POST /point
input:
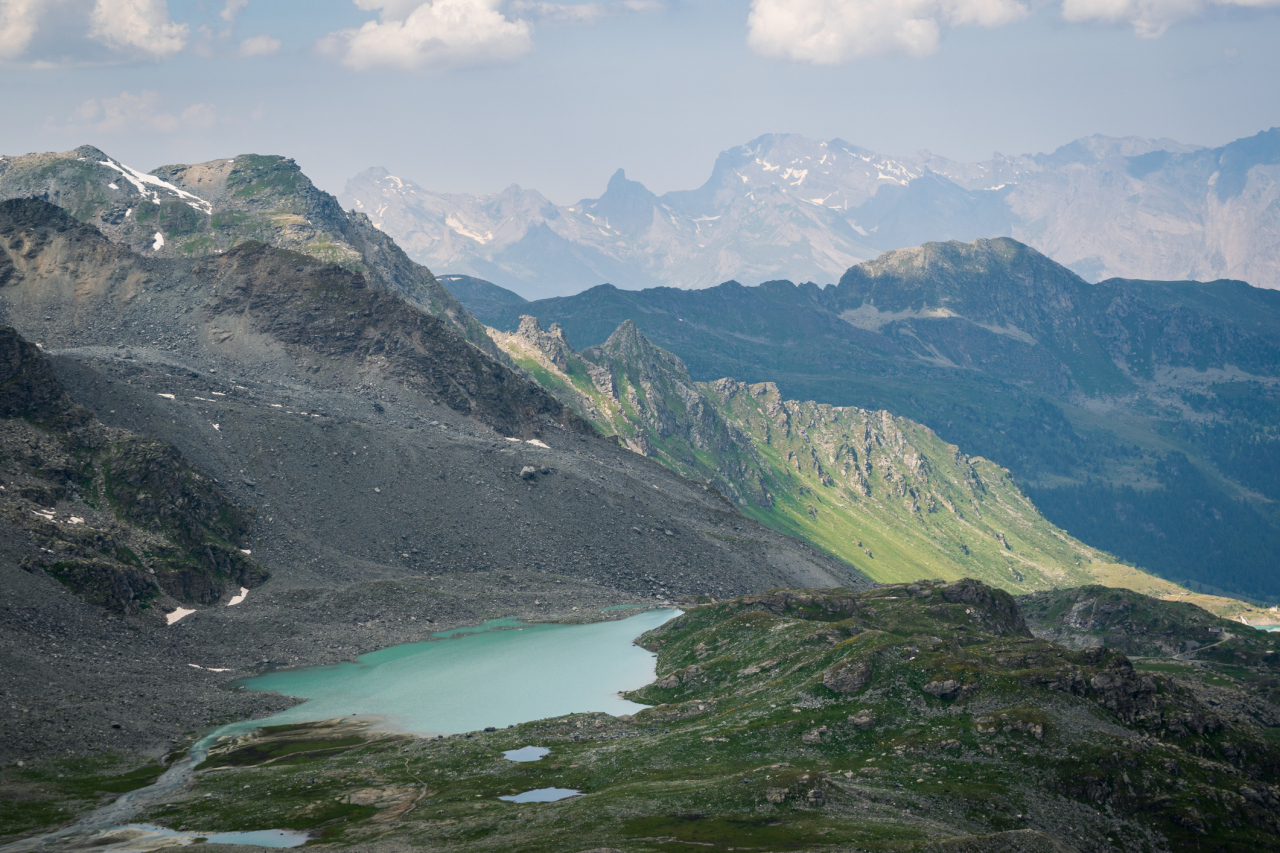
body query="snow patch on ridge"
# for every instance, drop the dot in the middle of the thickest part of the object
(458, 227)
(867, 316)
(145, 183)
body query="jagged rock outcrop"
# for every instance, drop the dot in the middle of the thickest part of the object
(847, 677)
(784, 206)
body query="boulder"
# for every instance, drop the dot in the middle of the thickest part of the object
(864, 719)
(948, 689)
(846, 676)
(814, 735)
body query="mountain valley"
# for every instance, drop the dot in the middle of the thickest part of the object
(387, 411)
(392, 469)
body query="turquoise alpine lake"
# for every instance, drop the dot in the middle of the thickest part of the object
(496, 674)
(461, 682)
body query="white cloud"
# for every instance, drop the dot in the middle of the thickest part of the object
(827, 32)
(582, 13)
(1149, 18)
(259, 46)
(412, 34)
(232, 10)
(143, 111)
(19, 20)
(141, 26)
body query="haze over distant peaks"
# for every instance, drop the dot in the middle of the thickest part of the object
(784, 206)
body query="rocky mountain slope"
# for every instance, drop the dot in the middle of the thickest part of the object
(121, 520)
(1157, 398)
(882, 492)
(185, 211)
(783, 206)
(403, 481)
(921, 717)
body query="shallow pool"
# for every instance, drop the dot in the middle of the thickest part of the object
(542, 795)
(146, 837)
(510, 674)
(527, 753)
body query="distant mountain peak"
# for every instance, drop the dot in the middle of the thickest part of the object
(787, 206)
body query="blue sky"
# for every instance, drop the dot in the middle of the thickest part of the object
(474, 95)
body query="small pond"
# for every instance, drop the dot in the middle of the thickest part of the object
(527, 753)
(145, 837)
(542, 795)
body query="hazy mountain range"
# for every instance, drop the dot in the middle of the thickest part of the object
(784, 206)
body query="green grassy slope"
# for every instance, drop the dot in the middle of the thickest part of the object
(881, 492)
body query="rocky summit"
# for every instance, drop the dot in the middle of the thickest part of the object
(184, 211)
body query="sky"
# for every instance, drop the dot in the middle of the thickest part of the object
(471, 96)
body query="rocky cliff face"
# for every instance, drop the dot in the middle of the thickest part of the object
(668, 415)
(122, 520)
(1093, 617)
(882, 492)
(783, 206)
